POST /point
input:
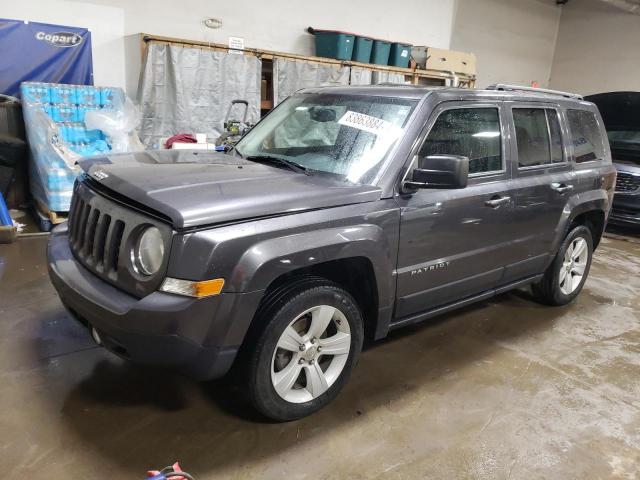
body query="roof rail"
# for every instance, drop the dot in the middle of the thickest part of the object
(518, 88)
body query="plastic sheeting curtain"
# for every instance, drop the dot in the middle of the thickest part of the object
(293, 75)
(290, 76)
(360, 76)
(364, 76)
(189, 90)
(386, 77)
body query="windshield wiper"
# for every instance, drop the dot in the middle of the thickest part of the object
(290, 164)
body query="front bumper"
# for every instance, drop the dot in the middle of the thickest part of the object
(625, 209)
(196, 336)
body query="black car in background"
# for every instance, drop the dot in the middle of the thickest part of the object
(621, 114)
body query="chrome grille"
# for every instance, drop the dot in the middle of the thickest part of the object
(627, 182)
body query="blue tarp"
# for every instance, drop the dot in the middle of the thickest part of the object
(41, 52)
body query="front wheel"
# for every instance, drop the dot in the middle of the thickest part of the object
(565, 277)
(306, 351)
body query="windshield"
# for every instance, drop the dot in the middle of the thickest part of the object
(625, 145)
(346, 135)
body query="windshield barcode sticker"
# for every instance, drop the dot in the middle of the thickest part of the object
(365, 122)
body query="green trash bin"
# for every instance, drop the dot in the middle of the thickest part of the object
(362, 49)
(380, 52)
(334, 44)
(399, 55)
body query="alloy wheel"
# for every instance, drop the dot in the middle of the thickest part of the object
(311, 354)
(573, 265)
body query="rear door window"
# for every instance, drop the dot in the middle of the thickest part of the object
(588, 144)
(538, 136)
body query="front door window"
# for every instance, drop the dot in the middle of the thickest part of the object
(469, 132)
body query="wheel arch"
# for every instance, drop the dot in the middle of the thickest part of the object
(359, 258)
(589, 209)
(356, 275)
(594, 220)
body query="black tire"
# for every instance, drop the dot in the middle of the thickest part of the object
(548, 290)
(278, 311)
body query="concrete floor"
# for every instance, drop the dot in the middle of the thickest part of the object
(505, 389)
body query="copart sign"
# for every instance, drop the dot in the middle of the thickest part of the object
(60, 39)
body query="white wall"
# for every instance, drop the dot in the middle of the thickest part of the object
(280, 24)
(598, 49)
(514, 40)
(105, 23)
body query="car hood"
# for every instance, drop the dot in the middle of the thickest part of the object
(619, 110)
(627, 166)
(195, 188)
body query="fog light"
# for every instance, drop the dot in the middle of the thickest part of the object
(205, 288)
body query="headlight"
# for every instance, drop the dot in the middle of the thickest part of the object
(149, 252)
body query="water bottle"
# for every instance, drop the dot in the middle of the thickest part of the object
(64, 113)
(93, 135)
(45, 107)
(88, 95)
(63, 94)
(106, 97)
(64, 130)
(35, 92)
(56, 115)
(81, 112)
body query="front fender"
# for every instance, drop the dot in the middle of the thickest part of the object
(267, 260)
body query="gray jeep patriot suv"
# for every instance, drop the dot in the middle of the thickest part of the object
(346, 212)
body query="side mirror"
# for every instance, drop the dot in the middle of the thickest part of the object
(440, 171)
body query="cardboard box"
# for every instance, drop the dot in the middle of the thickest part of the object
(430, 58)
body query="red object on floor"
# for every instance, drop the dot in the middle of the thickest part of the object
(180, 138)
(175, 467)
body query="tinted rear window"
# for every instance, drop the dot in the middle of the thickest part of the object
(587, 141)
(538, 136)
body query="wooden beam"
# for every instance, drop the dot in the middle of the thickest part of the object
(270, 55)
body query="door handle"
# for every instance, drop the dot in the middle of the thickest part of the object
(561, 187)
(496, 201)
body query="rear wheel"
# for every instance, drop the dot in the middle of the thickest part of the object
(565, 277)
(306, 351)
